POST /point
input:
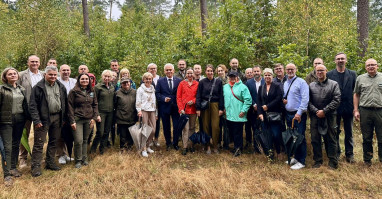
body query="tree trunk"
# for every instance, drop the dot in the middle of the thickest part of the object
(203, 13)
(86, 17)
(363, 25)
(111, 8)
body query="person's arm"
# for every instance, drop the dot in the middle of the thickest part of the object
(71, 107)
(333, 105)
(247, 100)
(304, 88)
(219, 86)
(311, 106)
(356, 105)
(259, 100)
(277, 97)
(179, 100)
(95, 107)
(158, 92)
(198, 99)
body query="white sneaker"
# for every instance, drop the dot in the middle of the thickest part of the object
(144, 154)
(150, 150)
(62, 160)
(297, 166)
(292, 161)
(68, 159)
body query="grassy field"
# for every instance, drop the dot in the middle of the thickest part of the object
(171, 175)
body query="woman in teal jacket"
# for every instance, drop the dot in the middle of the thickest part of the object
(237, 100)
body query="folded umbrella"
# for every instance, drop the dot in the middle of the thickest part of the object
(257, 136)
(200, 137)
(292, 140)
(135, 132)
(265, 137)
(183, 119)
(145, 133)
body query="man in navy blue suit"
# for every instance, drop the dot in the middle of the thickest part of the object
(253, 86)
(165, 92)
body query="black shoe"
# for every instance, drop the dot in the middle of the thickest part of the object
(350, 159)
(226, 148)
(101, 151)
(168, 147)
(52, 167)
(333, 166)
(184, 152)
(85, 163)
(317, 165)
(192, 150)
(176, 147)
(237, 152)
(367, 163)
(108, 145)
(15, 173)
(36, 171)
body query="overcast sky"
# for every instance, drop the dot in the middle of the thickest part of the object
(116, 11)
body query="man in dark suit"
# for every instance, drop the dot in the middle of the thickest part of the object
(253, 86)
(346, 80)
(165, 92)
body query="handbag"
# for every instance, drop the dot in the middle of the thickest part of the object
(205, 104)
(274, 116)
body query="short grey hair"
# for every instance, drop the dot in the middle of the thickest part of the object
(49, 68)
(169, 64)
(151, 64)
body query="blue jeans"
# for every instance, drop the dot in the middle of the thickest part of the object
(300, 154)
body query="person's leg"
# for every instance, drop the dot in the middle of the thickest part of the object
(78, 136)
(238, 134)
(175, 118)
(338, 148)
(54, 133)
(39, 140)
(367, 129)
(157, 128)
(300, 153)
(348, 128)
(315, 139)
(18, 127)
(23, 154)
(6, 136)
(129, 139)
(61, 149)
(166, 128)
(378, 131)
(191, 129)
(122, 131)
(151, 122)
(99, 134)
(107, 128)
(275, 128)
(85, 136)
(248, 127)
(215, 124)
(185, 134)
(331, 139)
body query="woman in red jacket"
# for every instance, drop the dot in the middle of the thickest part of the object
(186, 97)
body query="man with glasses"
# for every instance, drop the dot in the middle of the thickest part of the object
(280, 74)
(312, 77)
(296, 98)
(368, 104)
(346, 80)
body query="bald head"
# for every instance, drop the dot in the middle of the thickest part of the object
(83, 69)
(33, 63)
(321, 71)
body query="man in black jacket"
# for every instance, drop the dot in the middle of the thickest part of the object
(346, 81)
(47, 107)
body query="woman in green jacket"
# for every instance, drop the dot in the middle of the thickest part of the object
(13, 112)
(237, 100)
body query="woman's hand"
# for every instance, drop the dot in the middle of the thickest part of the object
(91, 124)
(198, 113)
(98, 118)
(190, 103)
(140, 114)
(182, 112)
(74, 126)
(265, 107)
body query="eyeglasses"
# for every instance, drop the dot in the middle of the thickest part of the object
(371, 65)
(125, 82)
(320, 71)
(278, 68)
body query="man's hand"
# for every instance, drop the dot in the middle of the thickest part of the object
(91, 124)
(39, 125)
(241, 114)
(98, 118)
(297, 117)
(198, 113)
(265, 107)
(167, 99)
(221, 113)
(285, 101)
(255, 107)
(320, 114)
(261, 116)
(74, 126)
(357, 115)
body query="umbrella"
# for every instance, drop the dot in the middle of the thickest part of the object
(292, 140)
(263, 137)
(200, 137)
(183, 119)
(135, 132)
(2, 151)
(67, 136)
(24, 141)
(259, 144)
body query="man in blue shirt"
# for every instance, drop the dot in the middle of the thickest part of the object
(296, 98)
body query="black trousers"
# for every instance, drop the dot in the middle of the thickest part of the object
(125, 136)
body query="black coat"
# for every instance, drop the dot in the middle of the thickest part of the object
(346, 105)
(273, 100)
(38, 104)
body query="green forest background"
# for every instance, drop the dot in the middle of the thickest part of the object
(257, 32)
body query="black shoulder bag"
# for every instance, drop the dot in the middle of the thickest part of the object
(205, 104)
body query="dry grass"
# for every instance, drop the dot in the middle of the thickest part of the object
(171, 175)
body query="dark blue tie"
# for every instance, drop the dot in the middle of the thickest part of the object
(170, 84)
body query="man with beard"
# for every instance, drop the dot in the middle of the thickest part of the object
(182, 65)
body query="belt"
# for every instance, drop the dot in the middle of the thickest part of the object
(372, 108)
(291, 112)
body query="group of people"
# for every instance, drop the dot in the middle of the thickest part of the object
(266, 99)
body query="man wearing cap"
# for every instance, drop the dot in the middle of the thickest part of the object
(368, 108)
(296, 98)
(325, 97)
(237, 101)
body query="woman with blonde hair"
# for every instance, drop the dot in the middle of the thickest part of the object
(146, 108)
(125, 73)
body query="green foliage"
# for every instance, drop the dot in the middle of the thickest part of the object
(256, 32)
